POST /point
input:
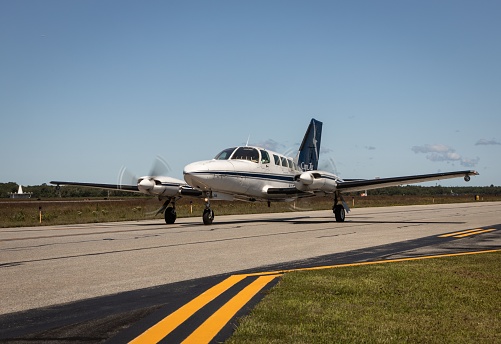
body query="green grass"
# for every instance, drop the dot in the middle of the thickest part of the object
(446, 300)
(21, 213)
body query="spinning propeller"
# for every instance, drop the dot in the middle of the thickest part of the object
(159, 168)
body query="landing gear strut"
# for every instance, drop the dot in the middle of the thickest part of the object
(208, 215)
(170, 214)
(338, 209)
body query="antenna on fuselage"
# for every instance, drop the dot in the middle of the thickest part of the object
(247, 143)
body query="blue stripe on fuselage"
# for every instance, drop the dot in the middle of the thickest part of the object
(263, 176)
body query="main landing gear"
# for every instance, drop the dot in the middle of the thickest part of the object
(338, 208)
(170, 214)
(208, 215)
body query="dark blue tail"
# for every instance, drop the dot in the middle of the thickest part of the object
(310, 147)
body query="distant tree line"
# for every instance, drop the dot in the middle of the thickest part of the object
(49, 191)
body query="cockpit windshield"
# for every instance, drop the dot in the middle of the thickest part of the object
(246, 153)
(225, 155)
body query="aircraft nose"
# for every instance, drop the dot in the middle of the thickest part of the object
(194, 168)
(208, 175)
(194, 173)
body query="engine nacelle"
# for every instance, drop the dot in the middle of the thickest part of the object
(316, 181)
(166, 190)
(159, 186)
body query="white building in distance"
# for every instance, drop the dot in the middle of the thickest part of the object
(20, 193)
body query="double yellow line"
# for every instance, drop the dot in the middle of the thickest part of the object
(469, 232)
(209, 329)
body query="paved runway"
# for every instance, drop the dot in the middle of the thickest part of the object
(45, 266)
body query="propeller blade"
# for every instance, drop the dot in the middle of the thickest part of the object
(160, 167)
(125, 177)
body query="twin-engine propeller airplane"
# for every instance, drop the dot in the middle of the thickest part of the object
(256, 174)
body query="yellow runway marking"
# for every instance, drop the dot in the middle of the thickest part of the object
(210, 328)
(469, 232)
(205, 332)
(374, 262)
(477, 232)
(157, 332)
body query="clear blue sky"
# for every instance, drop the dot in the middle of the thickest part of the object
(402, 87)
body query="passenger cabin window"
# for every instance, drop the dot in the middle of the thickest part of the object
(284, 162)
(246, 153)
(225, 155)
(265, 157)
(289, 161)
(277, 159)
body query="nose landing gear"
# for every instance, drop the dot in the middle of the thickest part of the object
(208, 215)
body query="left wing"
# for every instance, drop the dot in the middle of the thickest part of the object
(310, 182)
(368, 184)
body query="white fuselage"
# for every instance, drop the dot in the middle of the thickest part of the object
(244, 173)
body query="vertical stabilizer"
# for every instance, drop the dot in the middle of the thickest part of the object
(310, 147)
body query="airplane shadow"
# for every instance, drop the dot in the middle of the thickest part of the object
(302, 220)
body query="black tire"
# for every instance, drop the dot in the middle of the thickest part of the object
(170, 215)
(208, 216)
(339, 213)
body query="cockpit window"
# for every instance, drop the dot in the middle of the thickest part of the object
(225, 155)
(265, 157)
(246, 153)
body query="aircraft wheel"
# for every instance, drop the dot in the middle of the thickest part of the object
(170, 215)
(339, 213)
(208, 216)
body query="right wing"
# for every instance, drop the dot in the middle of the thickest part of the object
(155, 186)
(132, 188)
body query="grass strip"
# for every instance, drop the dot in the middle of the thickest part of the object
(446, 300)
(22, 213)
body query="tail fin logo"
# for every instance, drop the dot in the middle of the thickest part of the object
(308, 154)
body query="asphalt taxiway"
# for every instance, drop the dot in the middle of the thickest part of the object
(124, 278)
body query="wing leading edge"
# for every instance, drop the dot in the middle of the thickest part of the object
(131, 188)
(352, 185)
(368, 184)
